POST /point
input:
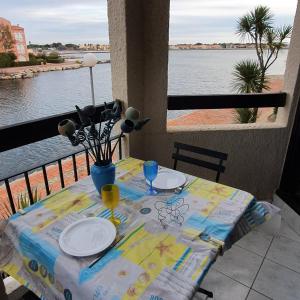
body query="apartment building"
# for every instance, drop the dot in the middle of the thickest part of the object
(19, 40)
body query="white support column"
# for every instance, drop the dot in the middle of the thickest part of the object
(138, 31)
(125, 34)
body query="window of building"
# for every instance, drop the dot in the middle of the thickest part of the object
(19, 36)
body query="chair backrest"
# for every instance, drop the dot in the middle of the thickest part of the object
(218, 167)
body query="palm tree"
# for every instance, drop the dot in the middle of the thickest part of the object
(247, 79)
(257, 27)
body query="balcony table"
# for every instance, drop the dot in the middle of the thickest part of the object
(151, 261)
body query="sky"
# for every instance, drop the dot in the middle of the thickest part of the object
(85, 21)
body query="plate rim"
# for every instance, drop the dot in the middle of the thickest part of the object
(92, 252)
(171, 171)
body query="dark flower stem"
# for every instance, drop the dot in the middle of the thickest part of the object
(116, 144)
(85, 147)
(99, 140)
(90, 145)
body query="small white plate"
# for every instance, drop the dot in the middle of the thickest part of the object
(168, 180)
(88, 236)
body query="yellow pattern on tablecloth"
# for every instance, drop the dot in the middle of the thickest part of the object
(152, 252)
(200, 269)
(210, 190)
(61, 205)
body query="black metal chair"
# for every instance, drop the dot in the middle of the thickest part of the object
(218, 167)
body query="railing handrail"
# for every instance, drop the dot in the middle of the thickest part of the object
(52, 161)
(21, 134)
(219, 101)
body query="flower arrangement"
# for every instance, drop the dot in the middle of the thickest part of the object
(97, 140)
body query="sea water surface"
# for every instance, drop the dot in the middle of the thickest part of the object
(190, 72)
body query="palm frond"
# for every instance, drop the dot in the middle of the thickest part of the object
(284, 32)
(255, 23)
(248, 77)
(274, 37)
(244, 26)
(262, 18)
(24, 200)
(270, 36)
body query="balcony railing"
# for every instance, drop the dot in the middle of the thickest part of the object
(26, 133)
(33, 131)
(189, 102)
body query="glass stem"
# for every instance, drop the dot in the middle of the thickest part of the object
(151, 188)
(112, 214)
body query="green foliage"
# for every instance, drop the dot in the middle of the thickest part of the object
(42, 58)
(247, 77)
(54, 58)
(250, 76)
(255, 23)
(12, 56)
(7, 59)
(56, 45)
(257, 26)
(53, 55)
(41, 55)
(32, 56)
(23, 201)
(26, 63)
(71, 46)
(33, 61)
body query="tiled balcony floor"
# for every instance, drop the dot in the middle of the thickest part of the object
(258, 267)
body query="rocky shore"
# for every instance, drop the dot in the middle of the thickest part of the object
(30, 71)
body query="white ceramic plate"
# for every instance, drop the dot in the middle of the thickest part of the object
(169, 180)
(88, 236)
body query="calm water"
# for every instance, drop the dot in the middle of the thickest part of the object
(190, 72)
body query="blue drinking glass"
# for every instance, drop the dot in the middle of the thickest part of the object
(150, 172)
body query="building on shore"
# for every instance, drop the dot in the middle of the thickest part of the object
(214, 46)
(94, 47)
(19, 47)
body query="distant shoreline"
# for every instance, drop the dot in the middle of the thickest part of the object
(82, 51)
(226, 49)
(170, 49)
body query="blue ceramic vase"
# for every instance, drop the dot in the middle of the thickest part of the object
(102, 175)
